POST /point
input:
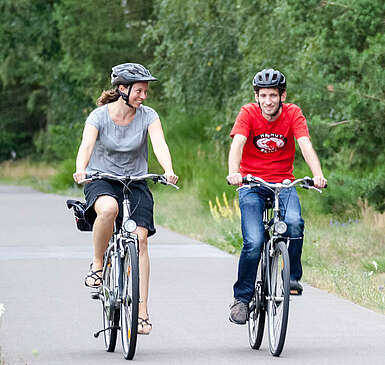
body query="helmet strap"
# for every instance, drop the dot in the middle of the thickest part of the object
(126, 97)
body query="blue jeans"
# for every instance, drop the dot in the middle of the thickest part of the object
(252, 205)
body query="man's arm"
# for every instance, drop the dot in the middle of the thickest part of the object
(312, 160)
(235, 155)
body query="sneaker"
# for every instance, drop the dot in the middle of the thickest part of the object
(238, 312)
(295, 287)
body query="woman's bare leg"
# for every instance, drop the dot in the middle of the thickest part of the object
(106, 208)
(144, 277)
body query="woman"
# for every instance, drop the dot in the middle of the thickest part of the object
(115, 141)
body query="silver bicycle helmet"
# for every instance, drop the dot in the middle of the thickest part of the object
(129, 73)
(269, 78)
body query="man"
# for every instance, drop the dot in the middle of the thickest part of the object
(263, 145)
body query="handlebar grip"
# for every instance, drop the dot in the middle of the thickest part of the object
(311, 183)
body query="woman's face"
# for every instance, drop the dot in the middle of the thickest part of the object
(138, 93)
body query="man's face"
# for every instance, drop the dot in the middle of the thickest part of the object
(269, 101)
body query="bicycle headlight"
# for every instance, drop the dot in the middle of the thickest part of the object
(280, 227)
(129, 225)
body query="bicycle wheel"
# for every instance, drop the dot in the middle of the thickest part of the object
(110, 313)
(256, 316)
(278, 298)
(130, 301)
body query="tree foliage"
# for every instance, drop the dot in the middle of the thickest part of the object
(55, 59)
(333, 54)
(56, 56)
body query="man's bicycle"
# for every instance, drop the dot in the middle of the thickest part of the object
(119, 292)
(272, 289)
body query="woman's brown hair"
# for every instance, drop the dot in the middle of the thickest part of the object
(108, 96)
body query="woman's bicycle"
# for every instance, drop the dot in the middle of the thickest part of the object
(272, 289)
(119, 292)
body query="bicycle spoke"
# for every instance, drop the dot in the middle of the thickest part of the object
(110, 314)
(278, 300)
(256, 319)
(130, 300)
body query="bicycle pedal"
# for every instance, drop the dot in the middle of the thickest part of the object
(295, 292)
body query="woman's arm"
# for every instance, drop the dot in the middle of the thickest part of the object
(161, 150)
(90, 134)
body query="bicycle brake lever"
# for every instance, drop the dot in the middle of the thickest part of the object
(314, 188)
(174, 186)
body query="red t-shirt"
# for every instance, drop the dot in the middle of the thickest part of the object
(270, 148)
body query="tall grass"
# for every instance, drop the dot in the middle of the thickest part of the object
(27, 172)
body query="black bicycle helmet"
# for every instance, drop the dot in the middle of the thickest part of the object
(129, 73)
(269, 78)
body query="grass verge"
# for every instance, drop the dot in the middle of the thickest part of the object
(27, 172)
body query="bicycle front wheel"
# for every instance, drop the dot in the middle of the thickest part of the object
(257, 312)
(278, 298)
(110, 313)
(130, 301)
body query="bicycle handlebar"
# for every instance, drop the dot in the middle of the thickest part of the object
(306, 183)
(127, 178)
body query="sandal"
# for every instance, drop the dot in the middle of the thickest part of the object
(144, 322)
(94, 275)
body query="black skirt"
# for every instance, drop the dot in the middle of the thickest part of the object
(141, 201)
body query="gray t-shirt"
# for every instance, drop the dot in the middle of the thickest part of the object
(120, 150)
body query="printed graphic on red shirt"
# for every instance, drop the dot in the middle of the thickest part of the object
(269, 142)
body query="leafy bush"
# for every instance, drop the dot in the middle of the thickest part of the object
(63, 180)
(59, 142)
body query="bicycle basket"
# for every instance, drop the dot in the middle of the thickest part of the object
(79, 210)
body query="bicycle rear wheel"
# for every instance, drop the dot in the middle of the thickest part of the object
(278, 298)
(130, 301)
(110, 313)
(256, 316)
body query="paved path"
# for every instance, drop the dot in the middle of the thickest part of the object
(50, 319)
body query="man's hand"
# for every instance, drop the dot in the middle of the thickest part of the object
(234, 179)
(319, 182)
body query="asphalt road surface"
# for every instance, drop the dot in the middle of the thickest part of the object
(49, 317)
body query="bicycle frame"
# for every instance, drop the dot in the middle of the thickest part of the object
(272, 289)
(119, 291)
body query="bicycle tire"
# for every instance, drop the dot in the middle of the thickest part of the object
(278, 298)
(110, 313)
(257, 314)
(130, 301)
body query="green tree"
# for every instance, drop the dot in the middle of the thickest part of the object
(28, 42)
(196, 51)
(55, 60)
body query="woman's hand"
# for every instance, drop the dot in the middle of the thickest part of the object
(171, 177)
(79, 176)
